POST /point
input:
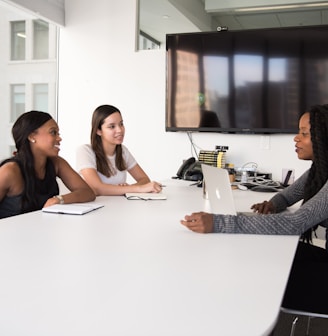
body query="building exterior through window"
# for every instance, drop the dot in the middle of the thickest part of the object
(28, 65)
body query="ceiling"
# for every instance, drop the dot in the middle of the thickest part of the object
(160, 17)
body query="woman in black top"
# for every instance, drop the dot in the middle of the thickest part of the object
(28, 179)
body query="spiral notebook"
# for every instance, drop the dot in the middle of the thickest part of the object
(73, 208)
(145, 196)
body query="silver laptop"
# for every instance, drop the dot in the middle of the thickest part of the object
(219, 191)
(218, 188)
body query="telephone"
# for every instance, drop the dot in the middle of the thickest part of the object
(190, 170)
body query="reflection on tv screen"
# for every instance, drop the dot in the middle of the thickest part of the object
(256, 81)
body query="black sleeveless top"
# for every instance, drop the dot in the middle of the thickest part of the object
(45, 189)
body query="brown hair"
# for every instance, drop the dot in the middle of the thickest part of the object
(103, 164)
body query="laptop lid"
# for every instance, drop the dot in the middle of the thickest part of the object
(218, 187)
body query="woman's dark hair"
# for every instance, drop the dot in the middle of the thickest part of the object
(26, 124)
(103, 164)
(318, 173)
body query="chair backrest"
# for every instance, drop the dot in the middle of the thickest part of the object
(302, 313)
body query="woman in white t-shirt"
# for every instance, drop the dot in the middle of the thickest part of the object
(104, 164)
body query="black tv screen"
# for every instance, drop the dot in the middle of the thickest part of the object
(249, 81)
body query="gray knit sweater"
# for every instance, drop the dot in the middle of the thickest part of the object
(314, 211)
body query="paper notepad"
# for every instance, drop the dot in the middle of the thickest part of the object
(73, 208)
(145, 196)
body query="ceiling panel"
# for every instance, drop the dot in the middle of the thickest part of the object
(310, 18)
(258, 21)
(230, 18)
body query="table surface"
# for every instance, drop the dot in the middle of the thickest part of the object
(130, 268)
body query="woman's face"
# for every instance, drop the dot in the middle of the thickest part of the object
(303, 139)
(112, 130)
(46, 139)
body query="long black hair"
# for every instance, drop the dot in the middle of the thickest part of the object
(318, 173)
(26, 124)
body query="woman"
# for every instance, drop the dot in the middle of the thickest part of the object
(28, 180)
(104, 164)
(310, 266)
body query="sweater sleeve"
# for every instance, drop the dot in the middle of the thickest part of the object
(314, 211)
(290, 195)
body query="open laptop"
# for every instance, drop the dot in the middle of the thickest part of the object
(218, 187)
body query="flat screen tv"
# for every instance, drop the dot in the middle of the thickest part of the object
(248, 81)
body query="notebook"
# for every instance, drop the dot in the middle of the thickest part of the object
(218, 187)
(145, 196)
(73, 208)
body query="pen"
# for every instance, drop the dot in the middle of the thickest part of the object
(196, 183)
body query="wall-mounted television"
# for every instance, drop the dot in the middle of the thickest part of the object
(247, 81)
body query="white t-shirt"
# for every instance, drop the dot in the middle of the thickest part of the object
(86, 158)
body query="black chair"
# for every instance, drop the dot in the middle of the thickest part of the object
(306, 292)
(299, 313)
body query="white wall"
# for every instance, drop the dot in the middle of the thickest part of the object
(99, 65)
(51, 10)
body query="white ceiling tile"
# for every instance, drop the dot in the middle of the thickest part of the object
(258, 21)
(301, 18)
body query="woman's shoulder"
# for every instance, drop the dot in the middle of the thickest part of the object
(10, 169)
(11, 177)
(85, 148)
(125, 150)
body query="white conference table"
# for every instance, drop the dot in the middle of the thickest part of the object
(130, 269)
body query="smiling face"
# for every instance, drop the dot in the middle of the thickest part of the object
(112, 130)
(46, 139)
(303, 139)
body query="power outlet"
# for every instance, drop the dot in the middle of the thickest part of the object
(265, 142)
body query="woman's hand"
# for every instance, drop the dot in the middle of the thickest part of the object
(265, 207)
(51, 201)
(152, 186)
(200, 222)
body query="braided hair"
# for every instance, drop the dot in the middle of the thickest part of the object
(318, 173)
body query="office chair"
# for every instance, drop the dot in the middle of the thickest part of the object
(314, 310)
(299, 313)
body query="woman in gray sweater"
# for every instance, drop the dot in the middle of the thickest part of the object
(310, 266)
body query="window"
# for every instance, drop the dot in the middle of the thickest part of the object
(147, 42)
(40, 97)
(28, 63)
(18, 40)
(17, 101)
(40, 39)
